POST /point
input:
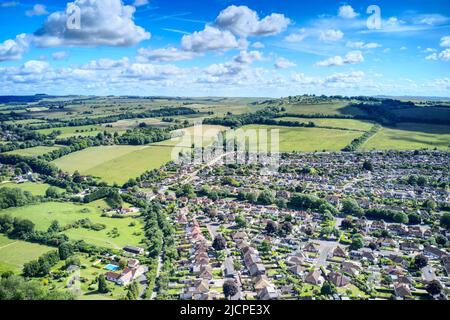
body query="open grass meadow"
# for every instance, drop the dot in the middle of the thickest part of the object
(36, 189)
(15, 253)
(206, 134)
(410, 136)
(348, 124)
(82, 131)
(129, 228)
(33, 152)
(309, 139)
(330, 108)
(133, 123)
(115, 164)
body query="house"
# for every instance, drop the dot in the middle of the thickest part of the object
(228, 268)
(369, 255)
(133, 263)
(133, 250)
(434, 252)
(196, 291)
(387, 242)
(260, 282)
(350, 268)
(268, 293)
(311, 247)
(206, 272)
(410, 246)
(126, 277)
(314, 277)
(256, 269)
(297, 269)
(338, 279)
(339, 252)
(112, 276)
(401, 290)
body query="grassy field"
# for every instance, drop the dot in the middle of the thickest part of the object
(133, 123)
(33, 152)
(43, 214)
(115, 163)
(37, 189)
(310, 139)
(206, 135)
(83, 131)
(15, 253)
(332, 108)
(349, 124)
(410, 136)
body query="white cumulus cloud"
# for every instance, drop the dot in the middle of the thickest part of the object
(352, 57)
(103, 23)
(243, 21)
(347, 12)
(210, 38)
(14, 49)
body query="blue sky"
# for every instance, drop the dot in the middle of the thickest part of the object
(225, 48)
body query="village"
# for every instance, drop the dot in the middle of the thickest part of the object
(235, 227)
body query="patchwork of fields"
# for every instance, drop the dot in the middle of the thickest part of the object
(65, 213)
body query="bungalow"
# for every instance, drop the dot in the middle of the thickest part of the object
(256, 269)
(434, 252)
(268, 293)
(260, 282)
(311, 247)
(206, 272)
(228, 268)
(409, 246)
(196, 291)
(402, 290)
(297, 270)
(338, 279)
(314, 277)
(387, 242)
(339, 252)
(350, 268)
